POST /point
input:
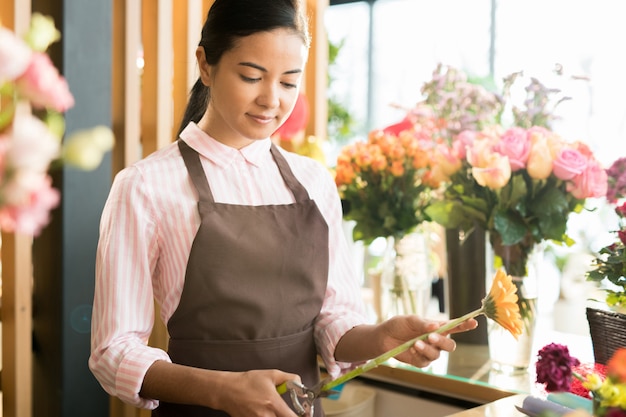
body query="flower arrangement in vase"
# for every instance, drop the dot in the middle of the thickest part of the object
(517, 181)
(520, 182)
(33, 96)
(384, 186)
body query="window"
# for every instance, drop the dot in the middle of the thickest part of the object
(391, 47)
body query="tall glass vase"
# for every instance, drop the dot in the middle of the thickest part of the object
(406, 276)
(508, 354)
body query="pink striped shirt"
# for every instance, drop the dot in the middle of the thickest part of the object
(148, 224)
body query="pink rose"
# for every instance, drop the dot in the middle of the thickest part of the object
(539, 164)
(568, 163)
(515, 144)
(592, 182)
(495, 173)
(44, 86)
(14, 55)
(462, 141)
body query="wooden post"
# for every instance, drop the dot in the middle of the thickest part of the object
(17, 360)
(156, 100)
(17, 278)
(317, 69)
(127, 81)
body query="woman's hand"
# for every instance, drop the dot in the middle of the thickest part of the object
(253, 394)
(240, 394)
(399, 329)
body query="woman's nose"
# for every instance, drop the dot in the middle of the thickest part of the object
(269, 96)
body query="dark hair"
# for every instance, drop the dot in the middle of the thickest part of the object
(230, 20)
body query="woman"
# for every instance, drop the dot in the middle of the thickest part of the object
(238, 241)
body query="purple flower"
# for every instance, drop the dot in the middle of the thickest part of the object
(554, 367)
(616, 180)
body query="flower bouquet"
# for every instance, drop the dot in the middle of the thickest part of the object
(517, 181)
(604, 386)
(520, 182)
(520, 185)
(33, 96)
(610, 264)
(383, 183)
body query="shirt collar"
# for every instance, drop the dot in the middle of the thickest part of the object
(223, 155)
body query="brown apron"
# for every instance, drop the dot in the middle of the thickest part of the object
(254, 284)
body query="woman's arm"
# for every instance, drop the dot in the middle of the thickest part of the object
(240, 394)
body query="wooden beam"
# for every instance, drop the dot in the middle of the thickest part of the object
(187, 23)
(17, 277)
(126, 92)
(316, 70)
(156, 95)
(17, 360)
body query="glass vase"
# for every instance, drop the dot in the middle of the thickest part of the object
(508, 354)
(406, 276)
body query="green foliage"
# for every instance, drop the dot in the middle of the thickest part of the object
(340, 121)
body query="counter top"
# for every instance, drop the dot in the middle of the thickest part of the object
(504, 407)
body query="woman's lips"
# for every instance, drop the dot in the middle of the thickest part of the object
(261, 119)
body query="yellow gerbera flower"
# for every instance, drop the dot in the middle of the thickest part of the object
(501, 306)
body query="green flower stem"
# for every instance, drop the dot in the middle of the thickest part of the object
(373, 363)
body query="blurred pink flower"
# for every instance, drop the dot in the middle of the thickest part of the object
(29, 144)
(43, 86)
(15, 55)
(32, 146)
(30, 197)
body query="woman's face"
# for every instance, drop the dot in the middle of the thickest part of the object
(254, 86)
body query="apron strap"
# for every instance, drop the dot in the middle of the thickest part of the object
(298, 190)
(194, 166)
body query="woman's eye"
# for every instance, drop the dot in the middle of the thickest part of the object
(290, 85)
(249, 80)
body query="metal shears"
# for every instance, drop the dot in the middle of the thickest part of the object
(303, 397)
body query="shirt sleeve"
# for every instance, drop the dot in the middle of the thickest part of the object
(123, 310)
(343, 306)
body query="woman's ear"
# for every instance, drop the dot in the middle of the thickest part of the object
(205, 68)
